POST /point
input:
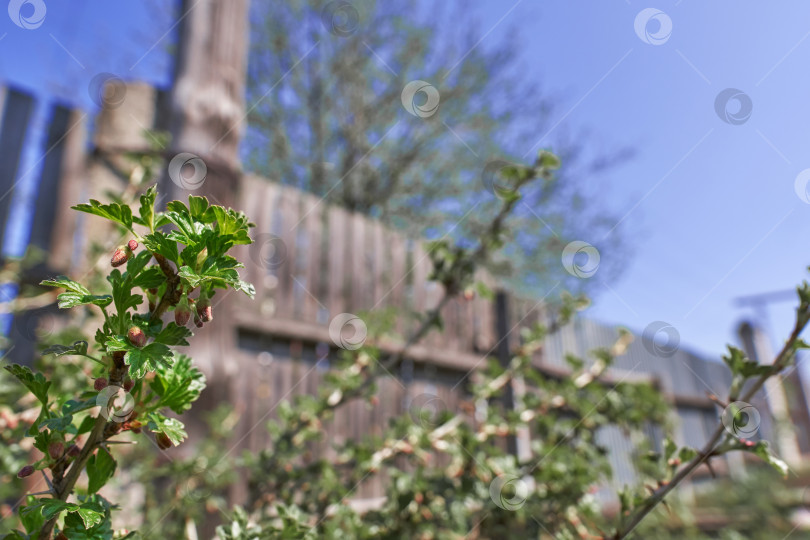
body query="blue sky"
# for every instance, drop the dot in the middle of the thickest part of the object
(709, 207)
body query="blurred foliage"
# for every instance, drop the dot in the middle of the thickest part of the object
(325, 94)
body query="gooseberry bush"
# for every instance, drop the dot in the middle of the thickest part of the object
(447, 473)
(177, 261)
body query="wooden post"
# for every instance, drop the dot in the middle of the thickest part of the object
(207, 100)
(503, 351)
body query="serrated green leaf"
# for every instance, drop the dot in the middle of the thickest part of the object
(100, 468)
(173, 335)
(142, 361)
(159, 243)
(147, 210)
(171, 427)
(67, 284)
(69, 300)
(179, 385)
(151, 278)
(122, 292)
(34, 382)
(119, 213)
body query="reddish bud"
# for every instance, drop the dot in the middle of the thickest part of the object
(132, 245)
(163, 441)
(136, 337)
(73, 450)
(120, 256)
(100, 384)
(128, 384)
(205, 311)
(182, 313)
(197, 322)
(28, 470)
(56, 449)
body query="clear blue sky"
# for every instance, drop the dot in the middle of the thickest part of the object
(711, 210)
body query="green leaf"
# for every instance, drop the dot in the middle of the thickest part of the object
(179, 385)
(142, 361)
(151, 278)
(548, 160)
(32, 521)
(119, 213)
(69, 300)
(100, 468)
(763, 450)
(686, 454)
(171, 427)
(117, 343)
(122, 292)
(147, 211)
(67, 284)
(78, 348)
(173, 335)
(739, 364)
(57, 424)
(34, 382)
(72, 406)
(159, 243)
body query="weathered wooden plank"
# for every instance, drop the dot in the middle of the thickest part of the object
(288, 207)
(336, 261)
(358, 269)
